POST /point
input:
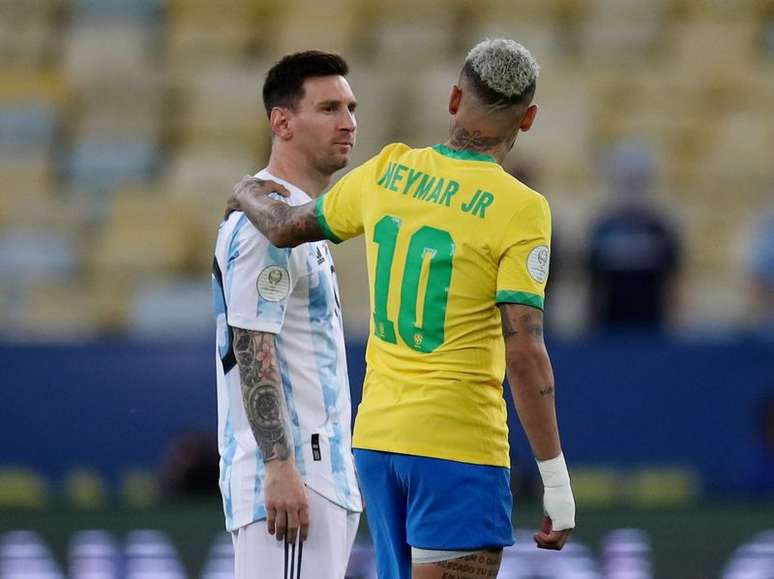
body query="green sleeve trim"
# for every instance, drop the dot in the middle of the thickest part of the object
(523, 298)
(463, 155)
(319, 212)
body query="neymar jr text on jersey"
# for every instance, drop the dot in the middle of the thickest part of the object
(432, 189)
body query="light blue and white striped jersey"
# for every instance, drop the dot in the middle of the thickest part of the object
(292, 293)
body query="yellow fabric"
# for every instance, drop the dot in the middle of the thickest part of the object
(445, 401)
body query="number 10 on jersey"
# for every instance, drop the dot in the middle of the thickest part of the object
(427, 244)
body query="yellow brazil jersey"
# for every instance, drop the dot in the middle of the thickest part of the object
(449, 234)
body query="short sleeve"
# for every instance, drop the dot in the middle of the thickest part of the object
(259, 279)
(525, 255)
(340, 211)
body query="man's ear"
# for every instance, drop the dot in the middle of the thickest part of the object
(528, 118)
(455, 98)
(279, 121)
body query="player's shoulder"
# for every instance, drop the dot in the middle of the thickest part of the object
(394, 149)
(520, 196)
(391, 153)
(240, 232)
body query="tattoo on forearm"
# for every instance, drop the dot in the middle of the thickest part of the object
(262, 393)
(473, 141)
(304, 225)
(473, 566)
(277, 219)
(547, 391)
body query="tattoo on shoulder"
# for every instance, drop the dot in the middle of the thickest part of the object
(262, 393)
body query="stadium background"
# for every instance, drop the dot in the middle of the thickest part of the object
(124, 125)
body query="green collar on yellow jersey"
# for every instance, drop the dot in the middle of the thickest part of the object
(463, 155)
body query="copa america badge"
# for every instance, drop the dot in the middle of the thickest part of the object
(273, 283)
(537, 263)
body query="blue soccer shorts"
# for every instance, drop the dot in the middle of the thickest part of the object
(431, 503)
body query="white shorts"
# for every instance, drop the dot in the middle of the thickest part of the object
(332, 530)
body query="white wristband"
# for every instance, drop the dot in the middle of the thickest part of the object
(554, 471)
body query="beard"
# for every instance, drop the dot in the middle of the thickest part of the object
(331, 164)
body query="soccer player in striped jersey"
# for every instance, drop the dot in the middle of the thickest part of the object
(451, 238)
(286, 465)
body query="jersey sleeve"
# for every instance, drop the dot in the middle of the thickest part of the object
(259, 279)
(525, 254)
(340, 211)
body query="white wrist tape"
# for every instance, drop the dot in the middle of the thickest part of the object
(558, 502)
(554, 471)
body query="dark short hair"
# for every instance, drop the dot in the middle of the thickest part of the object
(284, 84)
(493, 98)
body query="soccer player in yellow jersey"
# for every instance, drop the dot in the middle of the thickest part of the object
(451, 239)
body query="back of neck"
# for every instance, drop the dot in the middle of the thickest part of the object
(470, 139)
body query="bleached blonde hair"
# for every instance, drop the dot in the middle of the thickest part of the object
(503, 66)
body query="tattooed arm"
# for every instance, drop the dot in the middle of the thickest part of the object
(532, 384)
(531, 377)
(264, 402)
(282, 224)
(262, 393)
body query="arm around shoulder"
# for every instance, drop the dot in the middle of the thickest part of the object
(282, 224)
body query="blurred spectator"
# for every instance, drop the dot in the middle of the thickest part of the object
(762, 275)
(190, 468)
(757, 466)
(634, 251)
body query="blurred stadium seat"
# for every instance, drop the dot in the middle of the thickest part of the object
(100, 165)
(169, 310)
(28, 38)
(150, 555)
(220, 563)
(141, 12)
(754, 560)
(94, 554)
(21, 488)
(23, 555)
(26, 128)
(28, 255)
(85, 489)
(626, 554)
(596, 486)
(654, 486)
(140, 489)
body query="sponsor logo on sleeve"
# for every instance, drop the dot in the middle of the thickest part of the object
(273, 283)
